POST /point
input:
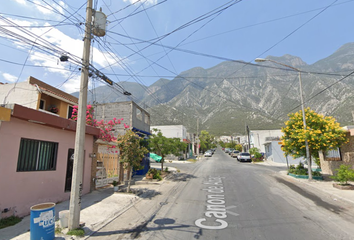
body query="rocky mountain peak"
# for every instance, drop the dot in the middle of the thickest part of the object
(289, 60)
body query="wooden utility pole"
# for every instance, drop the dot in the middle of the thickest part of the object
(76, 186)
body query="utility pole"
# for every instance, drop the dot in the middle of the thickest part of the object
(248, 136)
(198, 138)
(308, 157)
(76, 186)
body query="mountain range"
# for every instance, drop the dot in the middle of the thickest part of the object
(228, 97)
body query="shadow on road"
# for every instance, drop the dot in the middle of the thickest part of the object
(162, 224)
(177, 177)
(319, 202)
(145, 193)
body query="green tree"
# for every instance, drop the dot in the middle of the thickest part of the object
(230, 144)
(132, 151)
(222, 144)
(178, 146)
(163, 146)
(238, 147)
(322, 133)
(254, 150)
(206, 141)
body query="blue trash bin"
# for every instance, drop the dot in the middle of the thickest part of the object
(42, 225)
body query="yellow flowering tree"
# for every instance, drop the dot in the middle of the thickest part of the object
(322, 133)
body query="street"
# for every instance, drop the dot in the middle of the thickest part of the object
(220, 198)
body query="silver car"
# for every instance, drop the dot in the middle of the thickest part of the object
(208, 154)
(235, 154)
(244, 157)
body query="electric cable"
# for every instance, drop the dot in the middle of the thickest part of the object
(318, 93)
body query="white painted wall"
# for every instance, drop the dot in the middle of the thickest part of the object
(172, 131)
(259, 137)
(274, 153)
(23, 94)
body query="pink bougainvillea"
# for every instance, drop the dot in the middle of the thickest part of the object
(105, 127)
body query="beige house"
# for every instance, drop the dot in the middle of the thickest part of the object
(38, 95)
(344, 155)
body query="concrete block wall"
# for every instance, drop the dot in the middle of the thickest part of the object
(140, 118)
(125, 110)
(108, 111)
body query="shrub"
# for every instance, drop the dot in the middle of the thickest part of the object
(254, 150)
(155, 173)
(158, 175)
(344, 174)
(301, 170)
(152, 171)
(257, 157)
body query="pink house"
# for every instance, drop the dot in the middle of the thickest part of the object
(36, 161)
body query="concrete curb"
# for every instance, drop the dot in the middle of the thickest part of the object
(284, 175)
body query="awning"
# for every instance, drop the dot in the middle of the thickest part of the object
(156, 157)
(140, 132)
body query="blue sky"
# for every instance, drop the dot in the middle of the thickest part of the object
(244, 30)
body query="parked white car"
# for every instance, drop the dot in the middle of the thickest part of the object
(208, 154)
(244, 157)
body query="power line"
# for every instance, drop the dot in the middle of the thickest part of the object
(31, 18)
(296, 29)
(264, 22)
(135, 11)
(137, 79)
(196, 20)
(318, 93)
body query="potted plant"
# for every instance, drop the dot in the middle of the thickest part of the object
(150, 173)
(343, 175)
(54, 109)
(115, 185)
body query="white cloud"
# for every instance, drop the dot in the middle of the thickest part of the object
(147, 1)
(50, 9)
(8, 77)
(62, 41)
(72, 85)
(22, 2)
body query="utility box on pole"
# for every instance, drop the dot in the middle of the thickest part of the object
(99, 24)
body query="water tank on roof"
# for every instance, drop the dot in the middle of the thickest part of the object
(99, 24)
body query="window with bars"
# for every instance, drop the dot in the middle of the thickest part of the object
(36, 155)
(333, 155)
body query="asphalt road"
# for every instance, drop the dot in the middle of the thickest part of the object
(220, 198)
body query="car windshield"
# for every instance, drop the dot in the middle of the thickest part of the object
(245, 154)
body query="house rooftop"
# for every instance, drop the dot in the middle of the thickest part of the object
(52, 90)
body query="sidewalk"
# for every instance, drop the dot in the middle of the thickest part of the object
(97, 209)
(325, 186)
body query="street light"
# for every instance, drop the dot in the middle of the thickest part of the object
(302, 108)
